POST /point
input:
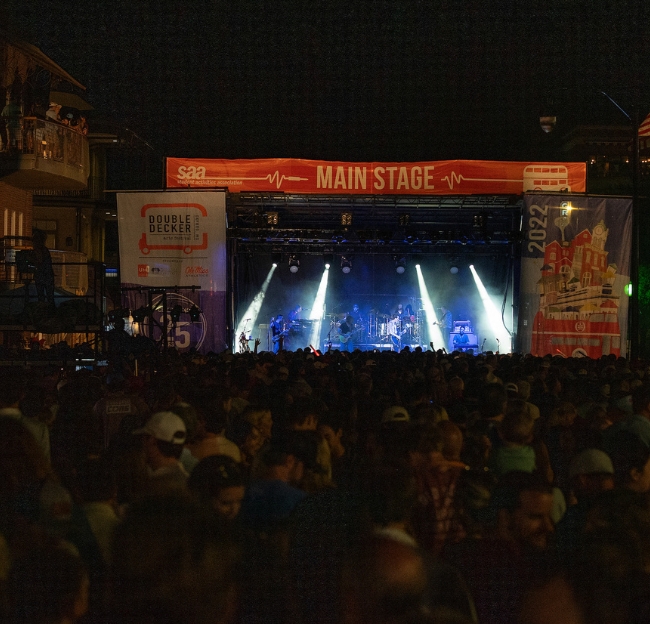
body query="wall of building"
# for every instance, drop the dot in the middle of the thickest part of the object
(16, 211)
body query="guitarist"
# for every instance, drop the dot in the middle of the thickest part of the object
(278, 333)
(346, 331)
(445, 323)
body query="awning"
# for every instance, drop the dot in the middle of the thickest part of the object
(66, 98)
(37, 57)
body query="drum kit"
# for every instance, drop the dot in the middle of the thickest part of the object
(379, 328)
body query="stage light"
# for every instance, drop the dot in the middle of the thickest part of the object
(479, 220)
(276, 258)
(346, 264)
(294, 263)
(346, 218)
(404, 220)
(434, 333)
(400, 264)
(253, 310)
(175, 313)
(195, 314)
(493, 316)
(328, 260)
(271, 218)
(318, 308)
(453, 269)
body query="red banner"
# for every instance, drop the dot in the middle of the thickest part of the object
(443, 177)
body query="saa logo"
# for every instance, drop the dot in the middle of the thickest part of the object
(143, 270)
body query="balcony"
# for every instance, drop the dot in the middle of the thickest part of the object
(78, 295)
(48, 155)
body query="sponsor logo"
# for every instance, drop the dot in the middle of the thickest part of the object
(143, 270)
(196, 270)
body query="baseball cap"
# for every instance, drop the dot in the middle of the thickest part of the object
(166, 427)
(590, 461)
(395, 413)
(512, 387)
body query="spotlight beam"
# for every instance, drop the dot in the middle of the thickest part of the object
(433, 330)
(253, 310)
(318, 309)
(501, 334)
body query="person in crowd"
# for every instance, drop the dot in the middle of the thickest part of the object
(248, 439)
(516, 431)
(97, 490)
(261, 419)
(637, 423)
(12, 116)
(211, 435)
(173, 561)
(43, 271)
(49, 585)
(631, 460)
(591, 473)
(301, 544)
(163, 439)
(219, 482)
(271, 499)
(52, 113)
(438, 515)
(12, 390)
(498, 567)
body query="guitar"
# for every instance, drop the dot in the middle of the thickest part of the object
(344, 338)
(279, 336)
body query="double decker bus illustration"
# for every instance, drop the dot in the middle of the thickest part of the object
(546, 178)
(173, 227)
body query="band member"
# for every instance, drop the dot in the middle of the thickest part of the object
(445, 326)
(295, 314)
(277, 333)
(346, 334)
(461, 340)
(359, 321)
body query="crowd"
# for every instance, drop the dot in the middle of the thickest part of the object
(342, 488)
(11, 120)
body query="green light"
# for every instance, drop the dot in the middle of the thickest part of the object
(628, 289)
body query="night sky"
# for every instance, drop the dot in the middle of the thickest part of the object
(342, 80)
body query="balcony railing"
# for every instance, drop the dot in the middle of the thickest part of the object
(78, 293)
(54, 141)
(44, 150)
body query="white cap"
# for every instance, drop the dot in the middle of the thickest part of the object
(395, 413)
(166, 427)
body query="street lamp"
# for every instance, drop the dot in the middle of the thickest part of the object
(547, 123)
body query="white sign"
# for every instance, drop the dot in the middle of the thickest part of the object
(173, 239)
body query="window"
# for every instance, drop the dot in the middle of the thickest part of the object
(50, 228)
